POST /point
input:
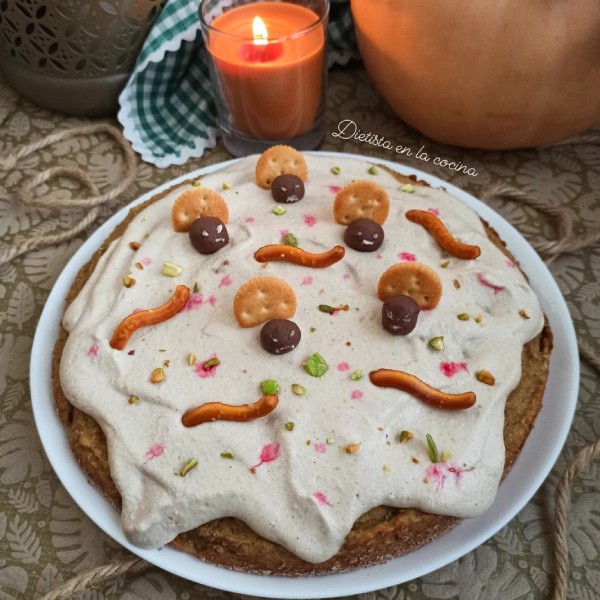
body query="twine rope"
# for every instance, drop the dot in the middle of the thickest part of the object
(565, 242)
(22, 244)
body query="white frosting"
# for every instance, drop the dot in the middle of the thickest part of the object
(310, 494)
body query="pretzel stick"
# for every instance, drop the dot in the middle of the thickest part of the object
(419, 389)
(442, 236)
(217, 411)
(151, 316)
(283, 252)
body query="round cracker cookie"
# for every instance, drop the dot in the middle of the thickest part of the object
(279, 160)
(263, 298)
(413, 279)
(361, 199)
(195, 203)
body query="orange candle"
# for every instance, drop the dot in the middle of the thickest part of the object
(269, 64)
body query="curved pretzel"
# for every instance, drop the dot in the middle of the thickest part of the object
(218, 411)
(293, 254)
(442, 236)
(151, 316)
(421, 390)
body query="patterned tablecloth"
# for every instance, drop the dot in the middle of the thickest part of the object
(44, 536)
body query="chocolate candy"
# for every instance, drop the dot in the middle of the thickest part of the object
(399, 315)
(287, 189)
(208, 234)
(279, 336)
(364, 235)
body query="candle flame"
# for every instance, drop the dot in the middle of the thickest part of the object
(259, 32)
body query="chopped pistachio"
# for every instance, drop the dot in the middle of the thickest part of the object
(226, 455)
(326, 309)
(171, 269)
(456, 283)
(373, 170)
(289, 425)
(485, 377)
(189, 465)
(134, 399)
(356, 375)
(445, 264)
(278, 210)
(405, 436)
(336, 170)
(298, 389)
(269, 386)
(134, 245)
(315, 365)
(385, 469)
(415, 460)
(523, 313)
(352, 448)
(432, 448)
(478, 319)
(196, 288)
(157, 375)
(409, 188)
(195, 183)
(226, 186)
(289, 239)
(330, 440)
(463, 317)
(445, 456)
(437, 343)
(312, 329)
(191, 359)
(210, 363)
(128, 281)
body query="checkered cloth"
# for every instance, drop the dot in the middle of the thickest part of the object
(167, 109)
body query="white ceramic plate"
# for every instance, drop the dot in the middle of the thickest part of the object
(532, 467)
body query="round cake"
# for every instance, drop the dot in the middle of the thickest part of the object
(299, 364)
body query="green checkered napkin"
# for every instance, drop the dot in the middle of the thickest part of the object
(166, 108)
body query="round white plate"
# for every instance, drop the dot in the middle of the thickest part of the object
(532, 467)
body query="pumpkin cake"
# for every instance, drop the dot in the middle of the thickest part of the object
(306, 377)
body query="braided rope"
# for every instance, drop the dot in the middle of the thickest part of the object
(96, 576)
(22, 244)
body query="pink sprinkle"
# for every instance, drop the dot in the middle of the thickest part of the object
(93, 350)
(439, 472)
(283, 232)
(483, 281)
(510, 263)
(197, 300)
(137, 310)
(343, 366)
(202, 370)
(379, 256)
(146, 261)
(321, 498)
(307, 280)
(347, 275)
(225, 281)
(452, 368)
(434, 211)
(320, 447)
(250, 220)
(407, 256)
(154, 451)
(310, 221)
(334, 189)
(269, 453)
(356, 395)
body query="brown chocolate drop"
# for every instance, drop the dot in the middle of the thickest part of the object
(279, 336)
(399, 315)
(364, 235)
(208, 234)
(287, 189)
